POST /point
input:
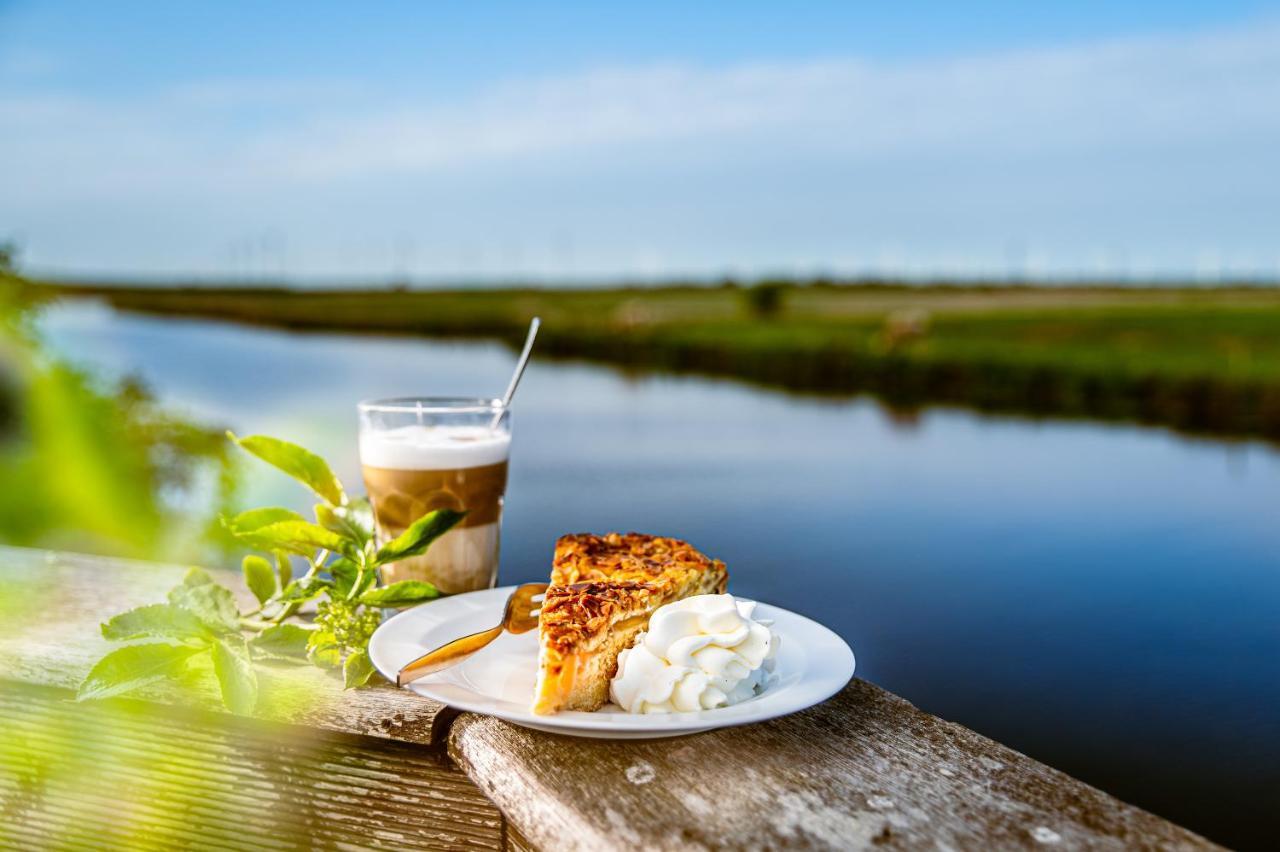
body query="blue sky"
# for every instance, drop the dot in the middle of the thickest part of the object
(585, 141)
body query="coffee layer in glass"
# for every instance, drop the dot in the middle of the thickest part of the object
(420, 455)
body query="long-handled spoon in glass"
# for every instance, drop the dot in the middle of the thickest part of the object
(534, 325)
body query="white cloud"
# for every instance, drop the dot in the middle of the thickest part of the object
(1138, 91)
(202, 141)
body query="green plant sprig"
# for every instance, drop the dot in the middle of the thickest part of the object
(342, 560)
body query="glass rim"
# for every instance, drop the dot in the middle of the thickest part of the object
(432, 405)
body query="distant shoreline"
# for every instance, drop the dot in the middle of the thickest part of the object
(269, 284)
(1196, 359)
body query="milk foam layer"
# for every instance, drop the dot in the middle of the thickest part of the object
(699, 653)
(417, 447)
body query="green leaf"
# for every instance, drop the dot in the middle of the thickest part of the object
(163, 621)
(258, 518)
(288, 641)
(284, 568)
(402, 594)
(325, 656)
(357, 669)
(196, 577)
(274, 528)
(234, 668)
(321, 637)
(345, 522)
(418, 537)
(327, 517)
(366, 581)
(349, 582)
(303, 465)
(323, 650)
(132, 667)
(213, 604)
(304, 589)
(260, 577)
(345, 572)
(360, 514)
(298, 537)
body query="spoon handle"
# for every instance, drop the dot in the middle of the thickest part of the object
(534, 325)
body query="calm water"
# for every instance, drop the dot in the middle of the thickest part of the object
(1106, 599)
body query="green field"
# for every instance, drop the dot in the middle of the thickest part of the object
(1202, 360)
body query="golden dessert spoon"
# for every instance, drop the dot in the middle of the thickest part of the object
(520, 616)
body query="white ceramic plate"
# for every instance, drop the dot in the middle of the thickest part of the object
(812, 665)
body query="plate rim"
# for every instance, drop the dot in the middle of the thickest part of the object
(816, 685)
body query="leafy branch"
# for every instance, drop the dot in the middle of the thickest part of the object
(340, 558)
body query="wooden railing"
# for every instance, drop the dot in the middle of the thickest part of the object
(323, 767)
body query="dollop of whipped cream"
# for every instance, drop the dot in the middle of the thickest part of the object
(700, 652)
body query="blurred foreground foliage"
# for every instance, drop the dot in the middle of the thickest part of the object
(203, 620)
(95, 466)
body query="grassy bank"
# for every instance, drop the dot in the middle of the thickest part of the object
(1196, 360)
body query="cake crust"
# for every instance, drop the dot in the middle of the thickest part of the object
(667, 563)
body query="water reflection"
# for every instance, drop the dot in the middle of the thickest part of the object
(1102, 597)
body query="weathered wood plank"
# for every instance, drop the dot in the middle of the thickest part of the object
(54, 639)
(128, 774)
(864, 769)
(516, 842)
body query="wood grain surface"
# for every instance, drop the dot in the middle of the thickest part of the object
(130, 774)
(332, 768)
(55, 639)
(866, 769)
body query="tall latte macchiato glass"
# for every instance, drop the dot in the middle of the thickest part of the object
(420, 454)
